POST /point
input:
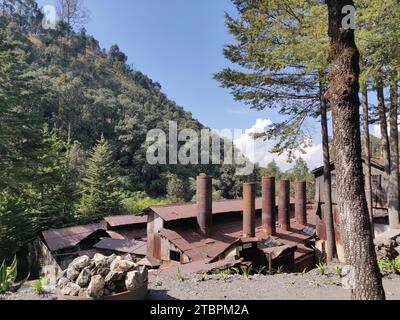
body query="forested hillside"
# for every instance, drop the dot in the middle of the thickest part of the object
(73, 124)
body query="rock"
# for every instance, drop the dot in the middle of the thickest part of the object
(81, 263)
(122, 265)
(111, 258)
(398, 241)
(397, 249)
(128, 257)
(96, 287)
(92, 265)
(82, 293)
(84, 278)
(63, 282)
(107, 292)
(136, 279)
(71, 289)
(101, 269)
(99, 258)
(72, 273)
(113, 278)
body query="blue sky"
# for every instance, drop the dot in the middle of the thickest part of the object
(179, 44)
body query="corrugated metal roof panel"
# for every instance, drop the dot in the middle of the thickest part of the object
(58, 239)
(125, 246)
(126, 220)
(186, 211)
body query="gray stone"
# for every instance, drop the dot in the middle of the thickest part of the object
(111, 258)
(99, 258)
(113, 278)
(81, 263)
(136, 279)
(398, 241)
(63, 282)
(128, 257)
(96, 287)
(101, 269)
(82, 293)
(72, 273)
(71, 289)
(122, 265)
(84, 278)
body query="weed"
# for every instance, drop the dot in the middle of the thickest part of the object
(338, 270)
(38, 286)
(279, 270)
(180, 276)
(322, 268)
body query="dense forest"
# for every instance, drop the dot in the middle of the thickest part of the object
(74, 119)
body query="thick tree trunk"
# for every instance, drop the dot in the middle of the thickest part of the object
(354, 218)
(327, 188)
(393, 189)
(368, 175)
(384, 129)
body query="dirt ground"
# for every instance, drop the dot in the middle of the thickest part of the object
(309, 286)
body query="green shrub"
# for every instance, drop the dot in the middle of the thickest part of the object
(38, 286)
(338, 270)
(137, 202)
(322, 268)
(8, 275)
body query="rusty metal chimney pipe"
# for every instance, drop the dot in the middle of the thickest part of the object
(204, 204)
(249, 210)
(284, 205)
(268, 206)
(301, 203)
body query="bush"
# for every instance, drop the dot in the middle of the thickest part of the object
(137, 202)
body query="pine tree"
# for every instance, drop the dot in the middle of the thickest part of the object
(100, 194)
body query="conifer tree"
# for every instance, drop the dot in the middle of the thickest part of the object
(100, 194)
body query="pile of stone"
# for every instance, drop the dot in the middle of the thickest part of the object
(387, 248)
(102, 276)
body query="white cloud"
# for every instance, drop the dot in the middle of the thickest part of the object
(262, 154)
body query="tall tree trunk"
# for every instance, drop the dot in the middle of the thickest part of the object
(327, 188)
(368, 175)
(393, 189)
(345, 103)
(384, 129)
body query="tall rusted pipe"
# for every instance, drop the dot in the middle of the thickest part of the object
(268, 206)
(301, 203)
(204, 205)
(249, 210)
(284, 205)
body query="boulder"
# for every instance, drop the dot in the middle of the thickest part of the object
(122, 265)
(96, 287)
(128, 257)
(136, 279)
(71, 289)
(101, 269)
(113, 278)
(81, 263)
(84, 278)
(72, 273)
(99, 258)
(398, 241)
(82, 293)
(63, 282)
(111, 258)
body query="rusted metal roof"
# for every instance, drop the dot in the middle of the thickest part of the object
(127, 220)
(125, 246)
(196, 267)
(187, 211)
(131, 234)
(58, 239)
(225, 235)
